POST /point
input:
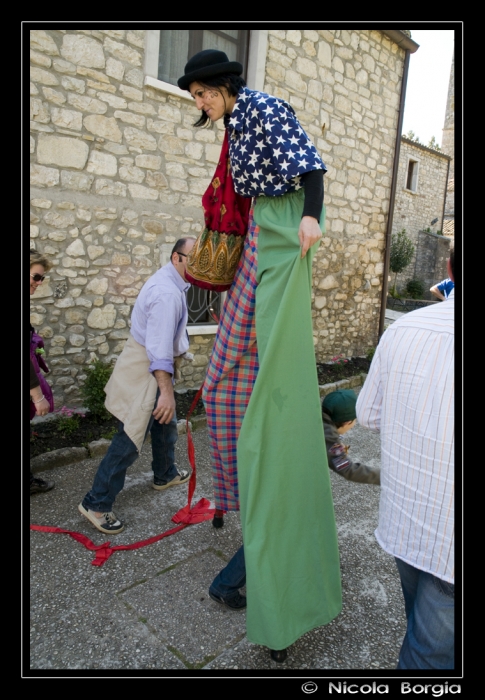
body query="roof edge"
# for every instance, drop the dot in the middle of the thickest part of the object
(401, 39)
(426, 148)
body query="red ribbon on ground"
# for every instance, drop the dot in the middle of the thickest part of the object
(188, 515)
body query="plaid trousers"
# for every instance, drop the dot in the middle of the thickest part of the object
(231, 374)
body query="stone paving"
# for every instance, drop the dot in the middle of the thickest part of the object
(149, 610)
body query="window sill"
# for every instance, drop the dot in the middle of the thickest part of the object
(410, 191)
(167, 87)
(206, 329)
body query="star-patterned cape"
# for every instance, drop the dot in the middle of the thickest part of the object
(268, 148)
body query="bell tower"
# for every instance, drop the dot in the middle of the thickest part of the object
(448, 138)
(448, 145)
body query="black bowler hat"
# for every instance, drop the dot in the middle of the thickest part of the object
(207, 64)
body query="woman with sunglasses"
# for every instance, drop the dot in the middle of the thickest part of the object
(41, 399)
(261, 390)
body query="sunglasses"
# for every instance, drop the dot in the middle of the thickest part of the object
(37, 277)
(182, 254)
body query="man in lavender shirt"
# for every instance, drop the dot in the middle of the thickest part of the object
(158, 335)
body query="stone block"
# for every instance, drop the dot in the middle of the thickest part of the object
(83, 51)
(58, 458)
(148, 161)
(66, 118)
(62, 151)
(306, 67)
(132, 174)
(102, 318)
(102, 164)
(43, 177)
(76, 181)
(122, 52)
(108, 187)
(39, 75)
(139, 139)
(41, 41)
(106, 127)
(98, 448)
(115, 69)
(141, 192)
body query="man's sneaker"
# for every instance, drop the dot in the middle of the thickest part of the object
(39, 485)
(235, 602)
(107, 523)
(182, 477)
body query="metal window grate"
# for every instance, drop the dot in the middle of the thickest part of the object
(204, 305)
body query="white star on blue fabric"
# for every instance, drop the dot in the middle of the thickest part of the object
(269, 150)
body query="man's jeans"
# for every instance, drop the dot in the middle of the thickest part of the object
(233, 577)
(429, 642)
(110, 477)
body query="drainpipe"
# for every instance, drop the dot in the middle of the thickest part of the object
(395, 167)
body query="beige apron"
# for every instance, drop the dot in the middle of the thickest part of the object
(131, 391)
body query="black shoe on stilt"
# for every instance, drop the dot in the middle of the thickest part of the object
(218, 519)
(278, 655)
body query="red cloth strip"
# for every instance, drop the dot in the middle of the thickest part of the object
(191, 448)
(186, 516)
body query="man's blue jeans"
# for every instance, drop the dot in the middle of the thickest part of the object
(233, 577)
(429, 642)
(110, 477)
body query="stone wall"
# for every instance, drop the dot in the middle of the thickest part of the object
(345, 87)
(432, 254)
(117, 173)
(415, 210)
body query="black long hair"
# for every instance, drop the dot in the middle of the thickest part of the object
(232, 82)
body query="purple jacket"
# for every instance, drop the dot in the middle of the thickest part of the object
(39, 364)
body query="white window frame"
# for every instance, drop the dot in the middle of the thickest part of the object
(258, 42)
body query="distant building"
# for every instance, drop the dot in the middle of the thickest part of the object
(420, 200)
(448, 146)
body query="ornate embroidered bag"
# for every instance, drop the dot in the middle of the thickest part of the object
(212, 262)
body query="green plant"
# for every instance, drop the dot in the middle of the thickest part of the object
(339, 362)
(92, 390)
(68, 420)
(402, 251)
(109, 434)
(67, 425)
(370, 354)
(414, 289)
(433, 143)
(412, 136)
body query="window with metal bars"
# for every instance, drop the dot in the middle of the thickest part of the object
(204, 306)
